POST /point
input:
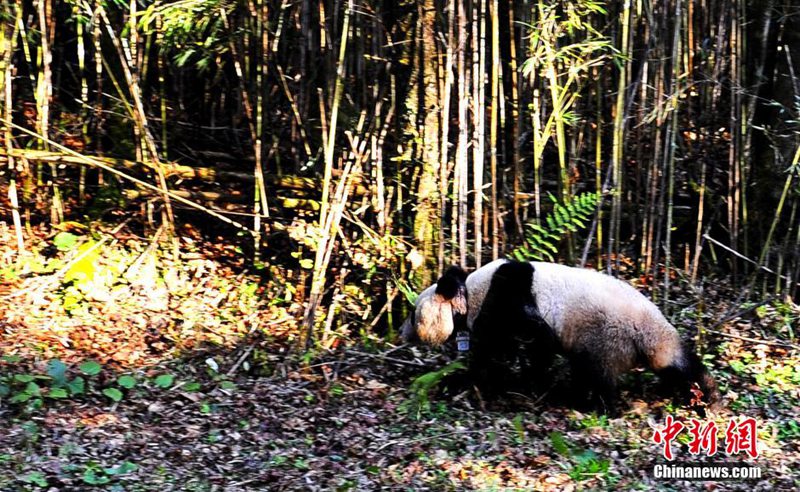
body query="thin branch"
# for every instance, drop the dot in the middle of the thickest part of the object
(754, 340)
(743, 257)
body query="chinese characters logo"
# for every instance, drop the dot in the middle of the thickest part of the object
(740, 437)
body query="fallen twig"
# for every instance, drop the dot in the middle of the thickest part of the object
(244, 356)
(426, 438)
(753, 340)
(390, 359)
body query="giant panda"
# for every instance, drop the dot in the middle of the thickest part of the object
(520, 314)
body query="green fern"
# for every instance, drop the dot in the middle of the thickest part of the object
(540, 241)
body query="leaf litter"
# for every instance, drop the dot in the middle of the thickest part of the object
(202, 400)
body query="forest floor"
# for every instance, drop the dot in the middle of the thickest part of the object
(125, 368)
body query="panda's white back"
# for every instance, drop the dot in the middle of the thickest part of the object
(562, 291)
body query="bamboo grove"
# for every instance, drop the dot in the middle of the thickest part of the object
(428, 132)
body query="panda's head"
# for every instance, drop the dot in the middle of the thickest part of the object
(438, 309)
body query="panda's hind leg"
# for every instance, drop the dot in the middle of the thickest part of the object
(594, 383)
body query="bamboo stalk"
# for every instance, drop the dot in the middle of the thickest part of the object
(240, 75)
(44, 84)
(141, 119)
(81, 52)
(462, 165)
(617, 149)
(478, 120)
(675, 85)
(44, 94)
(161, 66)
(517, 117)
(328, 215)
(427, 219)
(698, 245)
(444, 164)
(733, 166)
(493, 123)
(326, 243)
(337, 97)
(98, 86)
(260, 191)
(295, 112)
(781, 202)
(598, 180)
(7, 45)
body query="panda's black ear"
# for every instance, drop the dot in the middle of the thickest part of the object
(451, 282)
(453, 288)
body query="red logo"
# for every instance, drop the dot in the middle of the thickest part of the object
(669, 433)
(704, 437)
(741, 436)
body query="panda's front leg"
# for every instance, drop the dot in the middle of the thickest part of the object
(490, 369)
(486, 370)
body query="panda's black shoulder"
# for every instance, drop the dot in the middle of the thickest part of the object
(512, 276)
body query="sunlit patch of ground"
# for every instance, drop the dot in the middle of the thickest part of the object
(119, 299)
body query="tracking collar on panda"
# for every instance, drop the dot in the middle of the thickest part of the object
(462, 341)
